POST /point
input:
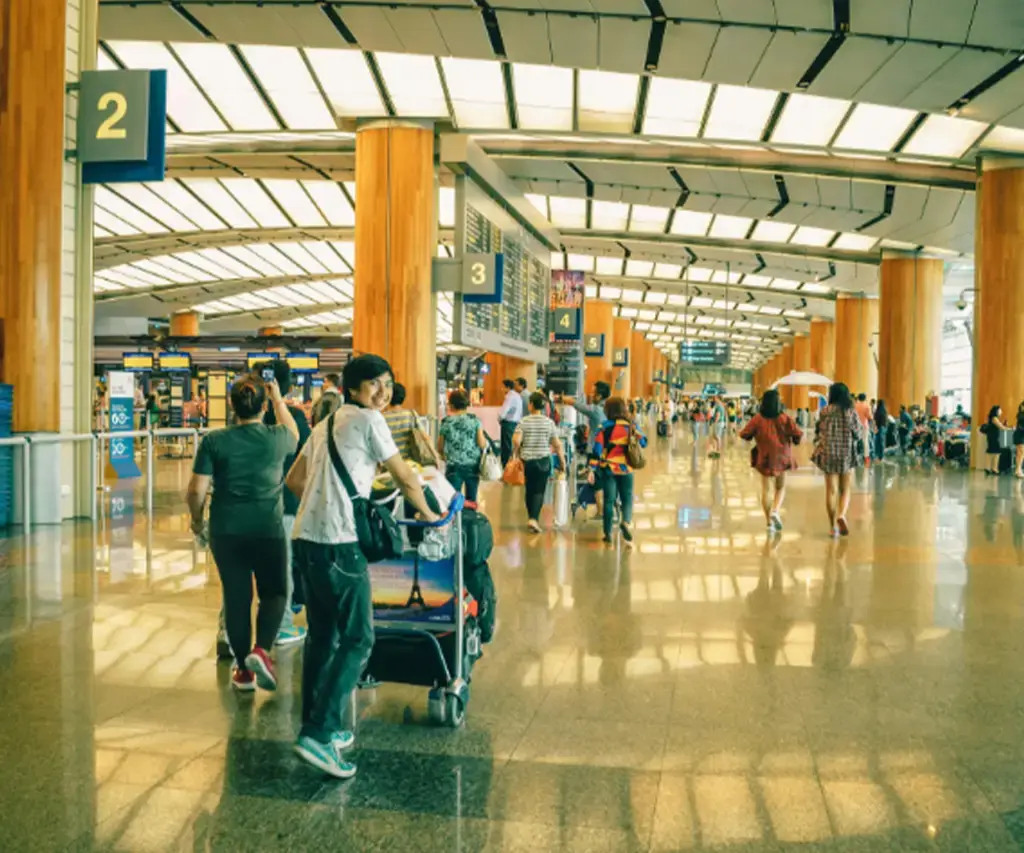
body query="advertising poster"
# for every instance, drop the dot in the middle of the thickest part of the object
(413, 589)
(121, 391)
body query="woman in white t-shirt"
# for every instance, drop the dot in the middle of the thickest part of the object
(339, 603)
(534, 440)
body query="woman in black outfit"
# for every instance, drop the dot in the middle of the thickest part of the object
(1018, 442)
(993, 428)
(881, 429)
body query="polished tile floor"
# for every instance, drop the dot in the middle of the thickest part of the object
(704, 691)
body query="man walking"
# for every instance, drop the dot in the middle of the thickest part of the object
(509, 417)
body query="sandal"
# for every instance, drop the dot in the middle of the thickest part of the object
(844, 528)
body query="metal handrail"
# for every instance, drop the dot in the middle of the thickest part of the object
(26, 476)
(72, 438)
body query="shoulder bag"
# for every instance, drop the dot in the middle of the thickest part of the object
(376, 529)
(422, 450)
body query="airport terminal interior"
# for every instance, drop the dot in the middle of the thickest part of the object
(685, 220)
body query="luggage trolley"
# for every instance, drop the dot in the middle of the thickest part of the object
(421, 619)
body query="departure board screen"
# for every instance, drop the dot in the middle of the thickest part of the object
(519, 325)
(705, 352)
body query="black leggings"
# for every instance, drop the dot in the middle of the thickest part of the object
(238, 558)
(538, 472)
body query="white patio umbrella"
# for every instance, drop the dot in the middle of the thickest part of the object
(803, 377)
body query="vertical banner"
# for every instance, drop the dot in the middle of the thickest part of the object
(121, 391)
(565, 361)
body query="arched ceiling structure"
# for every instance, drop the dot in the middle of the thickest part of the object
(718, 167)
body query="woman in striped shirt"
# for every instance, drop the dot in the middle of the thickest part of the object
(534, 440)
(611, 466)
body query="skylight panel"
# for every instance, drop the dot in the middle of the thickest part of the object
(179, 266)
(580, 263)
(538, 201)
(855, 242)
(675, 107)
(221, 201)
(811, 287)
(321, 291)
(297, 252)
(723, 277)
(590, 291)
(446, 207)
(739, 112)
(558, 260)
(332, 202)
(127, 212)
(292, 197)
(698, 273)
(101, 285)
(677, 299)
(610, 292)
(256, 202)
(347, 250)
(477, 91)
(646, 314)
(246, 302)
(145, 277)
(284, 296)
(607, 101)
(568, 212)
(609, 265)
(215, 307)
(236, 268)
(99, 231)
(769, 231)
(730, 227)
(639, 269)
(690, 223)
(544, 96)
(625, 311)
(1002, 138)
(326, 256)
(251, 258)
(646, 219)
(113, 224)
(609, 215)
(298, 323)
(666, 270)
(782, 284)
(347, 81)
(288, 83)
(214, 270)
(413, 83)
(182, 200)
(631, 295)
(276, 258)
(186, 106)
(752, 280)
(144, 198)
(872, 127)
(807, 235)
(152, 266)
(656, 297)
(944, 136)
(232, 92)
(809, 120)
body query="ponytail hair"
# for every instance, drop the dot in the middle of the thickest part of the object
(248, 395)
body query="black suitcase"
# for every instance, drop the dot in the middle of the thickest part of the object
(662, 429)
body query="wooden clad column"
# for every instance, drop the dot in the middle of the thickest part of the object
(506, 367)
(856, 325)
(637, 364)
(785, 368)
(823, 347)
(622, 339)
(396, 238)
(801, 363)
(598, 320)
(32, 54)
(185, 325)
(910, 330)
(998, 332)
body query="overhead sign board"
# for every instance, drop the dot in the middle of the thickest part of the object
(483, 275)
(122, 121)
(254, 358)
(705, 352)
(303, 362)
(175, 361)
(620, 357)
(593, 346)
(137, 361)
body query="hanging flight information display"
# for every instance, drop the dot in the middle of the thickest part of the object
(705, 352)
(517, 326)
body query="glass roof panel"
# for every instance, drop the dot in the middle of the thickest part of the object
(297, 204)
(347, 250)
(944, 136)
(477, 90)
(235, 267)
(276, 258)
(538, 201)
(297, 252)
(182, 200)
(568, 212)
(347, 81)
(221, 201)
(256, 202)
(752, 280)
(690, 223)
(332, 201)
(607, 101)
(150, 265)
(698, 273)
(127, 212)
(186, 106)
(609, 265)
(248, 256)
(639, 269)
(855, 242)
(807, 235)
(580, 263)
(675, 107)
(629, 295)
(809, 120)
(174, 263)
(446, 207)
(739, 112)
(227, 85)
(544, 96)
(730, 227)
(646, 219)
(609, 215)
(288, 83)
(326, 256)
(666, 270)
(142, 196)
(111, 223)
(872, 127)
(413, 83)
(558, 260)
(215, 270)
(769, 231)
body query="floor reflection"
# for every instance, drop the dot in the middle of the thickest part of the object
(710, 688)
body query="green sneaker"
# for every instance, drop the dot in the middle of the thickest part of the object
(290, 636)
(323, 757)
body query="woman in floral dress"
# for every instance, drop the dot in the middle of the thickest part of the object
(835, 453)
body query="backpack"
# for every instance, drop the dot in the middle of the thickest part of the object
(477, 539)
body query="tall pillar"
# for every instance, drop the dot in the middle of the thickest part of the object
(184, 325)
(396, 239)
(998, 332)
(823, 347)
(637, 364)
(621, 339)
(785, 368)
(269, 332)
(506, 367)
(856, 325)
(598, 319)
(910, 330)
(32, 140)
(801, 363)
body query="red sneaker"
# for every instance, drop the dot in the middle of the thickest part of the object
(263, 667)
(243, 680)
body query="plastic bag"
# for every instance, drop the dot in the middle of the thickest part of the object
(561, 502)
(490, 467)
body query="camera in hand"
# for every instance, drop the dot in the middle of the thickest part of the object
(267, 373)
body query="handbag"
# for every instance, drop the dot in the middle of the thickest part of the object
(422, 450)
(515, 472)
(378, 533)
(490, 467)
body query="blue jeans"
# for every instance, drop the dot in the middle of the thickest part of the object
(468, 475)
(617, 486)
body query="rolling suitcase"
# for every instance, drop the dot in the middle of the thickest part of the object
(662, 429)
(1005, 460)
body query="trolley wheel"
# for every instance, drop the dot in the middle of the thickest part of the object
(455, 711)
(437, 711)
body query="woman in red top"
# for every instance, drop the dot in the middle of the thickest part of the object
(774, 435)
(612, 465)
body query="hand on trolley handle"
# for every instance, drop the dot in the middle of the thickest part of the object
(440, 521)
